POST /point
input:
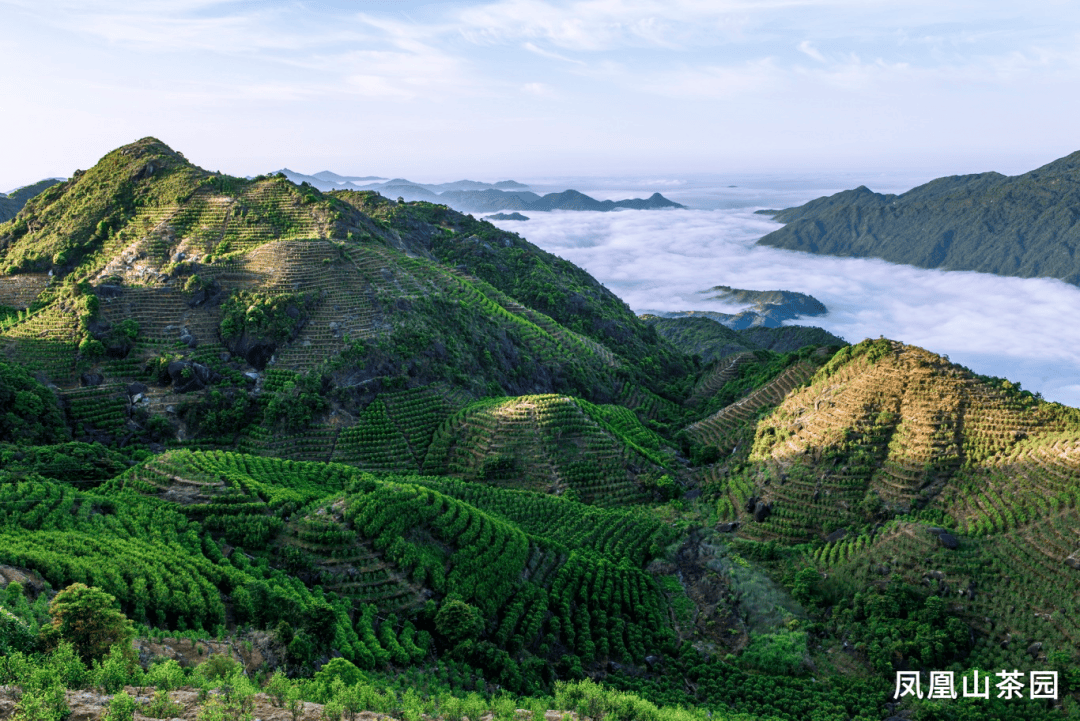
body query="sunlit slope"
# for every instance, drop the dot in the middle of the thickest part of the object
(897, 474)
(889, 427)
(733, 393)
(552, 444)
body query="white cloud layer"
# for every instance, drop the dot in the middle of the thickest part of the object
(1023, 329)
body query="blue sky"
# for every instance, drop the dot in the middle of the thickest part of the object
(519, 88)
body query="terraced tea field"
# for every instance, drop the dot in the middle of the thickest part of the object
(721, 428)
(548, 443)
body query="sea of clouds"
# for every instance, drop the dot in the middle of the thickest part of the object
(1022, 329)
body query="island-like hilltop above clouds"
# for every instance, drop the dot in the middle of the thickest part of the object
(474, 196)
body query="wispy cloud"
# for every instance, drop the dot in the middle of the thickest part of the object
(542, 90)
(597, 25)
(807, 48)
(675, 48)
(532, 48)
(180, 25)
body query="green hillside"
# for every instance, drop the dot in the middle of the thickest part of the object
(386, 457)
(557, 444)
(714, 341)
(1023, 225)
(160, 269)
(11, 203)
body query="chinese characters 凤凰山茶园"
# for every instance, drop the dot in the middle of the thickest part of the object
(942, 685)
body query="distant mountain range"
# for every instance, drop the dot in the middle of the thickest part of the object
(474, 196)
(1026, 225)
(12, 203)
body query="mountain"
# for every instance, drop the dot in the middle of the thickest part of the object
(573, 200)
(11, 203)
(483, 201)
(1024, 225)
(388, 458)
(784, 300)
(770, 308)
(260, 275)
(400, 188)
(327, 180)
(477, 197)
(492, 199)
(507, 216)
(712, 341)
(330, 177)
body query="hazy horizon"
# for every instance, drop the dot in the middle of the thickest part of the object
(696, 190)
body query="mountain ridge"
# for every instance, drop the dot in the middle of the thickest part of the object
(474, 196)
(1023, 225)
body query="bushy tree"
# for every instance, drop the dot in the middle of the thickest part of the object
(87, 618)
(28, 410)
(457, 621)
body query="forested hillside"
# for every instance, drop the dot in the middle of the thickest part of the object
(1024, 225)
(381, 456)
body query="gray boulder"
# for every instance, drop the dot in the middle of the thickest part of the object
(187, 376)
(91, 380)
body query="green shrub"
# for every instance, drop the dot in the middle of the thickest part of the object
(264, 316)
(278, 689)
(115, 671)
(91, 349)
(32, 707)
(213, 710)
(339, 668)
(166, 675)
(121, 708)
(218, 666)
(162, 706)
(15, 635)
(783, 653)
